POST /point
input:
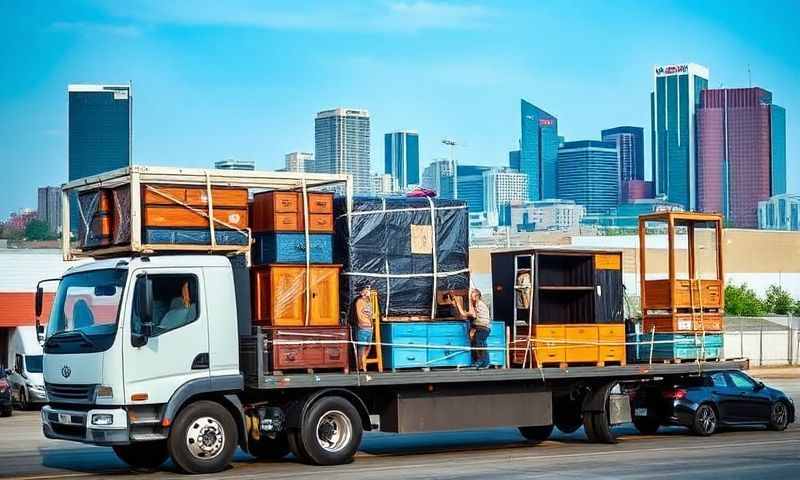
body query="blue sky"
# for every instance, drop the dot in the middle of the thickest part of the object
(244, 79)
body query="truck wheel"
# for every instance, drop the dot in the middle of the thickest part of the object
(536, 434)
(296, 446)
(267, 448)
(331, 431)
(646, 425)
(598, 428)
(143, 456)
(568, 420)
(203, 438)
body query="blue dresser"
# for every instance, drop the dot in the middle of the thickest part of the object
(189, 236)
(291, 248)
(675, 346)
(435, 344)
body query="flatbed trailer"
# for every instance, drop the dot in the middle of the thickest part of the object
(201, 387)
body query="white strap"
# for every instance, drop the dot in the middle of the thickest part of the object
(434, 258)
(308, 250)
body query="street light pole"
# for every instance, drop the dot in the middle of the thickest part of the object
(451, 143)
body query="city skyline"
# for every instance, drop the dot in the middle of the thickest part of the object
(260, 110)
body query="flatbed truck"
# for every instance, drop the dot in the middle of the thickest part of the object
(199, 387)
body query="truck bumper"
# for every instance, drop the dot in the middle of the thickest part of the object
(78, 426)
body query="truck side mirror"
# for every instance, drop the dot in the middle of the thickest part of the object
(39, 301)
(144, 307)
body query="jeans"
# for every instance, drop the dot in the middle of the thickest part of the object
(479, 341)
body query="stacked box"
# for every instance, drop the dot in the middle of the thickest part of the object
(394, 245)
(674, 346)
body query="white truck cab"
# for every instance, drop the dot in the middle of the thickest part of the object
(25, 368)
(130, 339)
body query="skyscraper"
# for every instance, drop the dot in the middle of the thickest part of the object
(741, 152)
(630, 153)
(99, 128)
(100, 125)
(439, 176)
(471, 186)
(501, 187)
(673, 103)
(538, 155)
(234, 164)
(341, 142)
(588, 173)
(513, 160)
(401, 158)
(48, 208)
(299, 162)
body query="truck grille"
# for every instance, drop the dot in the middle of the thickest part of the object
(70, 393)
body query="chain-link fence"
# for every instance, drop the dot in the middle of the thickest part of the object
(772, 340)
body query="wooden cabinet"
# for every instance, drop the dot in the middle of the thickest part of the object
(297, 348)
(283, 212)
(279, 295)
(612, 343)
(162, 216)
(549, 344)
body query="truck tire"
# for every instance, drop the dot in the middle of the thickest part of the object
(267, 448)
(203, 438)
(143, 456)
(601, 428)
(296, 446)
(568, 419)
(536, 434)
(588, 427)
(331, 431)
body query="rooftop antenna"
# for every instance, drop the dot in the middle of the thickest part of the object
(749, 77)
(452, 144)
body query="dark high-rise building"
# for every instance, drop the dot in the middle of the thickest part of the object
(513, 160)
(538, 155)
(630, 150)
(741, 152)
(588, 173)
(99, 129)
(100, 126)
(673, 103)
(401, 158)
(471, 186)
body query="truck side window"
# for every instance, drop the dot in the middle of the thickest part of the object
(175, 302)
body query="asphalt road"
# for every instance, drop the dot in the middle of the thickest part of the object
(741, 454)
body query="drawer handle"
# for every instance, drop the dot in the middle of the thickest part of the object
(290, 357)
(410, 357)
(321, 204)
(334, 354)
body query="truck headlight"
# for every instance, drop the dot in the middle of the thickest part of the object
(102, 419)
(104, 391)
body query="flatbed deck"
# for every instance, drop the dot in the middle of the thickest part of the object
(472, 375)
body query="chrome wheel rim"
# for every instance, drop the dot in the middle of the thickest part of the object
(779, 414)
(334, 431)
(707, 419)
(205, 438)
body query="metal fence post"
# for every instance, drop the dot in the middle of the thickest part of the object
(761, 344)
(741, 337)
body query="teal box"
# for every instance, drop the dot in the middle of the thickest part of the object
(674, 346)
(291, 248)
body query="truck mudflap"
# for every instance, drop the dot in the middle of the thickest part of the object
(96, 426)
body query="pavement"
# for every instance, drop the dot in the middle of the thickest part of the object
(741, 454)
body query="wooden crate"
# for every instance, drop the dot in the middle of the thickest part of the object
(289, 353)
(162, 216)
(195, 196)
(279, 295)
(675, 347)
(684, 322)
(706, 294)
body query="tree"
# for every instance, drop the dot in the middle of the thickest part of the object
(37, 230)
(742, 301)
(779, 301)
(796, 309)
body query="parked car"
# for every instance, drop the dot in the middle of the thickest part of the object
(709, 401)
(5, 395)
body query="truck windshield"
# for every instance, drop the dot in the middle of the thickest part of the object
(85, 310)
(33, 363)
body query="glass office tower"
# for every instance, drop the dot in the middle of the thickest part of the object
(538, 156)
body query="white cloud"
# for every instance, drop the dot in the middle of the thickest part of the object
(101, 28)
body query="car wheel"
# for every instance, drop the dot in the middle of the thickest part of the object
(779, 416)
(705, 420)
(23, 400)
(203, 438)
(646, 425)
(143, 456)
(536, 434)
(331, 431)
(266, 448)
(7, 412)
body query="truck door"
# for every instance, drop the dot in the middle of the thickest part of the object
(177, 348)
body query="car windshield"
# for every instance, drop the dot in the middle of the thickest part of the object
(84, 314)
(33, 363)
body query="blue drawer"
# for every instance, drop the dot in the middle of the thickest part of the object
(397, 330)
(403, 357)
(448, 329)
(291, 248)
(187, 236)
(674, 346)
(497, 358)
(497, 335)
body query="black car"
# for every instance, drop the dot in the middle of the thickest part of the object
(708, 401)
(5, 395)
